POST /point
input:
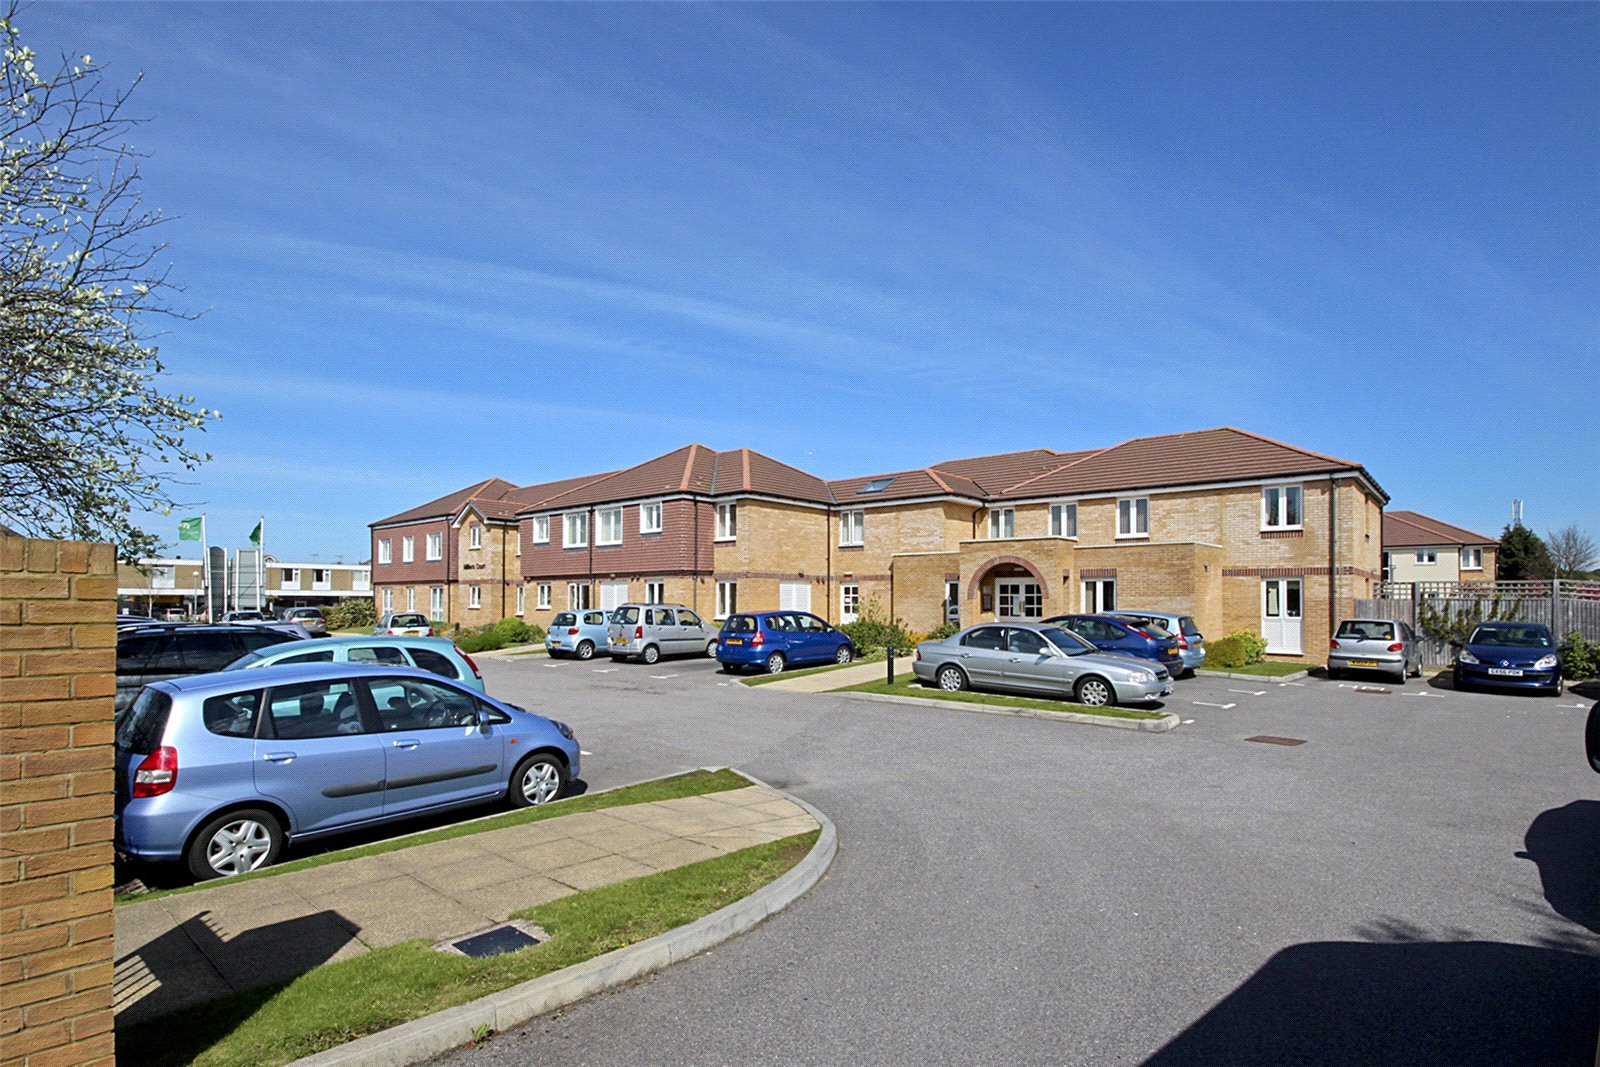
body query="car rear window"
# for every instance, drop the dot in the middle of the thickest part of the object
(626, 616)
(566, 618)
(1361, 630)
(430, 660)
(1187, 625)
(594, 618)
(141, 728)
(739, 624)
(233, 715)
(408, 620)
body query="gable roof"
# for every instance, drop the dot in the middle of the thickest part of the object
(1197, 457)
(907, 485)
(994, 473)
(450, 504)
(745, 471)
(1408, 529)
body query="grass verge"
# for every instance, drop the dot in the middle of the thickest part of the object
(341, 1001)
(695, 783)
(1265, 669)
(910, 687)
(877, 657)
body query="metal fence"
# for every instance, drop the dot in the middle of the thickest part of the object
(1564, 606)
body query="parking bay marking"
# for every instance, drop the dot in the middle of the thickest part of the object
(1297, 685)
(1208, 704)
(1438, 696)
(603, 670)
(1572, 705)
(663, 677)
(1250, 692)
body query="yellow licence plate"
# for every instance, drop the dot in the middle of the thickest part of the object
(1363, 663)
(734, 640)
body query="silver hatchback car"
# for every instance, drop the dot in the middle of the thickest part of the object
(1386, 645)
(1039, 659)
(649, 631)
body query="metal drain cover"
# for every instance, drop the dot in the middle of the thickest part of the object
(496, 942)
(1268, 739)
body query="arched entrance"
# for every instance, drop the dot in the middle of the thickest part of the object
(1009, 587)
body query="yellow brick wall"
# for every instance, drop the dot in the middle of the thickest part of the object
(494, 568)
(57, 679)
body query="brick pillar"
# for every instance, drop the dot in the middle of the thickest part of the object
(57, 678)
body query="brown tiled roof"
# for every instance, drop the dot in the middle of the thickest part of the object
(907, 485)
(746, 471)
(683, 470)
(1195, 458)
(448, 505)
(1405, 529)
(995, 473)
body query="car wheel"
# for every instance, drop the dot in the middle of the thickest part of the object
(1333, 674)
(234, 843)
(951, 679)
(585, 650)
(1457, 683)
(1095, 692)
(774, 664)
(844, 655)
(711, 648)
(1401, 678)
(537, 780)
(1416, 672)
(650, 654)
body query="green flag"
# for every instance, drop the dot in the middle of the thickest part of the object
(255, 536)
(190, 529)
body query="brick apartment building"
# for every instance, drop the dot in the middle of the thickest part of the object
(1236, 529)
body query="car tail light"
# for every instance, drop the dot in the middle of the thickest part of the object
(572, 631)
(1333, 643)
(157, 774)
(919, 655)
(1397, 647)
(758, 640)
(1183, 642)
(638, 633)
(476, 673)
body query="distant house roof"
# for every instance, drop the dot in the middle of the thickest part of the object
(448, 505)
(1411, 529)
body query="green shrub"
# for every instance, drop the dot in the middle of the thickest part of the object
(350, 615)
(942, 631)
(480, 642)
(1581, 660)
(873, 631)
(1253, 645)
(1226, 653)
(513, 631)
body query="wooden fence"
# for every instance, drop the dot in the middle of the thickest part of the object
(1564, 606)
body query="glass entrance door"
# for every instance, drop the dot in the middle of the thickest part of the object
(1018, 599)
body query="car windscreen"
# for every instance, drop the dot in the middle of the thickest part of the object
(1511, 637)
(1066, 641)
(1366, 630)
(141, 728)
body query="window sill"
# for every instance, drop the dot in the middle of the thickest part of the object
(852, 548)
(608, 544)
(649, 533)
(723, 540)
(1133, 537)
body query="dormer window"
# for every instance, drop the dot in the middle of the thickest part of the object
(876, 485)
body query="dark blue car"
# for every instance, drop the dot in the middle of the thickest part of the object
(773, 640)
(1512, 655)
(1111, 634)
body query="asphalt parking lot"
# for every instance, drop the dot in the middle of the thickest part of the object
(1418, 882)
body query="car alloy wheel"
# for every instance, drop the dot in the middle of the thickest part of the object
(235, 843)
(585, 649)
(1096, 693)
(711, 648)
(650, 654)
(539, 779)
(774, 663)
(952, 679)
(844, 655)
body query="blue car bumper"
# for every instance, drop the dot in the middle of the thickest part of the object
(745, 655)
(1475, 674)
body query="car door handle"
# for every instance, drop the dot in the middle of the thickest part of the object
(279, 757)
(1016, 659)
(406, 743)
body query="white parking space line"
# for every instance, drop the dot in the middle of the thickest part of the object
(663, 677)
(552, 666)
(1436, 696)
(1297, 685)
(1208, 704)
(1572, 705)
(603, 670)
(1188, 722)
(1371, 689)
(1250, 692)
(584, 752)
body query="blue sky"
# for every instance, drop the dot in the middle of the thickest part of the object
(435, 244)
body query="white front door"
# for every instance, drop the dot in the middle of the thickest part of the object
(1280, 615)
(1018, 599)
(613, 595)
(794, 596)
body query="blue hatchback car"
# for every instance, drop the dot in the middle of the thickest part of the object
(578, 633)
(1512, 655)
(436, 654)
(222, 771)
(773, 640)
(1111, 634)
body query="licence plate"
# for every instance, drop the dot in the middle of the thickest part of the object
(555, 644)
(733, 640)
(1505, 672)
(1363, 663)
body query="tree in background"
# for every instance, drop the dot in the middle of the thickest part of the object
(86, 438)
(1523, 556)
(1572, 552)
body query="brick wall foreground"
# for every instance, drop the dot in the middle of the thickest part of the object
(57, 680)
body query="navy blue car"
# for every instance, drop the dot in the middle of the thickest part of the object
(1511, 655)
(1111, 634)
(773, 640)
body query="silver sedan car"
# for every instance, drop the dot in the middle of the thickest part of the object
(1386, 645)
(1046, 660)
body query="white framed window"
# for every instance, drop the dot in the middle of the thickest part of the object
(1002, 523)
(435, 546)
(650, 518)
(1427, 557)
(727, 522)
(1133, 517)
(849, 602)
(608, 526)
(655, 592)
(1281, 507)
(574, 530)
(291, 578)
(474, 596)
(577, 596)
(541, 529)
(1472, 559)
(385, 551)
(362, 581)
(321, 578)
(408, 549)
(852, 528)
(411, 598)
(436, 602)
(522, 599)
(1063, 520)
(1099, 594)
(541, 600)
(388, 600)
(475, 536)
(727, 599)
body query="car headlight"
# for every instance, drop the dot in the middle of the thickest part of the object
(1143, 676)
(563, 729)
(1467, 657)
(1546, 663)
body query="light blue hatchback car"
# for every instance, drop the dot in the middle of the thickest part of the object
(577, 633)
(436, 654)
(221, 771)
